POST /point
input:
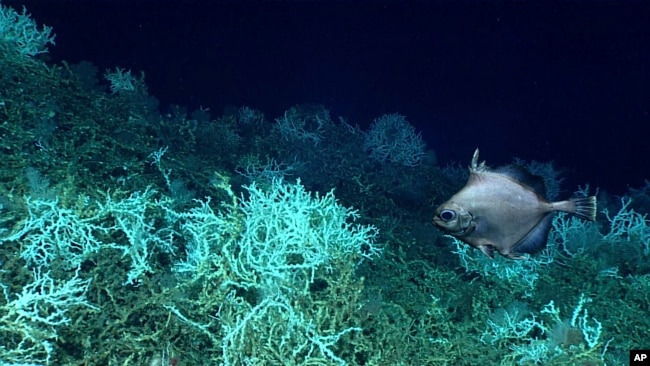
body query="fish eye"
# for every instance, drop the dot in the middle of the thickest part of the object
(447, 215)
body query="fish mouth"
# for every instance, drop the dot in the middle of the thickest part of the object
(465, 231)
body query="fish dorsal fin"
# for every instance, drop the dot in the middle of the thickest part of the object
(536, 239)
(523, 176)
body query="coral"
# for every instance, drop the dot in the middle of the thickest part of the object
(517, 275)
(298, 124)
(392, 138)
(628, 226)
(286, 229)
(533, 338)
(50, 232)
(19, 30)
(273, 245)
(53, 233)
(120, 79)
(265, 250)
(29, 320)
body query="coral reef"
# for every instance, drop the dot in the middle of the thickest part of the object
(134, 237)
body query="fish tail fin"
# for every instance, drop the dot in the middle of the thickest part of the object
(585, 207)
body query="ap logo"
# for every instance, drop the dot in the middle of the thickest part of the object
(640, 357)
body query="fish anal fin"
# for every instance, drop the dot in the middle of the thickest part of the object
(535, 240)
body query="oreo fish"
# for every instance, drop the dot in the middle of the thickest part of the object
(505, 209)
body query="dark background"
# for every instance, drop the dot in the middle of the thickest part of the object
(561, 81)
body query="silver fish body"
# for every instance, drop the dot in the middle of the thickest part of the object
(505, 209)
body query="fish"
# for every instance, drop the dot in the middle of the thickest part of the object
(505, 210)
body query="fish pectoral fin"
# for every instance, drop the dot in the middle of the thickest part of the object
(536, 238)
(487, 250)
(516, 256)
